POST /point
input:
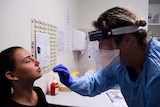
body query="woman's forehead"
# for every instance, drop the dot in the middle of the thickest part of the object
(107, 44)
(21, 54)
(108, 41)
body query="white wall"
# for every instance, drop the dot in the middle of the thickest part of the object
(89, 10)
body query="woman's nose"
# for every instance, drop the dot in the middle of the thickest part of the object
(36, 61)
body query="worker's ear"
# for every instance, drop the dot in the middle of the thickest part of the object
(10, 75)
(128, 39)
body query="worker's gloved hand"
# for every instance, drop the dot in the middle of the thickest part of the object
(64, 74)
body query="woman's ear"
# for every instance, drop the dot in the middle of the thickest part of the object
(128, 39)
(10, 75)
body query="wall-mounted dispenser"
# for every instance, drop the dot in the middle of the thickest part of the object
(79, 40)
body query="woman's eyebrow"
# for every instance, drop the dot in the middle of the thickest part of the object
(27, 57)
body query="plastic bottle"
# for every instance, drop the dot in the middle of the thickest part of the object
(54, 88)
(150, 18)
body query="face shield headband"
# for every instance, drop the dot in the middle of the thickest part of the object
(110, 33)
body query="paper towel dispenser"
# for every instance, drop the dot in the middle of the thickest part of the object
(79, 40)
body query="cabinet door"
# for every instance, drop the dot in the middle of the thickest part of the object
(154, 24)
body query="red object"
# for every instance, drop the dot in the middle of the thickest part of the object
(54, 88)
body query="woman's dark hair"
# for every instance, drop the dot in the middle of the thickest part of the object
(7, 63)
(119, 17)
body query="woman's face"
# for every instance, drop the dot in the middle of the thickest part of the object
(107, 44)
(111, 45)
(26, 66)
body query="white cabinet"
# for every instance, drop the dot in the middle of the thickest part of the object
(154, 9)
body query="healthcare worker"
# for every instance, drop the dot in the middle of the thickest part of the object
(132, 60)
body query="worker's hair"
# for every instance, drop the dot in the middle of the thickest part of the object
(7, 63)
(119, 17)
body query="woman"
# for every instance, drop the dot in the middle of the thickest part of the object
(120, 32)
(18, 71)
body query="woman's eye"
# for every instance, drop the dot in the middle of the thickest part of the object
(27, 60)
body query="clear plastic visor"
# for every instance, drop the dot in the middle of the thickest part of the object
(103, 47)
(104, 57)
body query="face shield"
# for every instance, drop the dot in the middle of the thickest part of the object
(107, 57)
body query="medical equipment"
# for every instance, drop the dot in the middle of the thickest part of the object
(108, 58)
(110, 33)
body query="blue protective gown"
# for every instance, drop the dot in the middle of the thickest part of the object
(144, 92)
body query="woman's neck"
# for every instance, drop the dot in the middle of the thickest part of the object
(25, 96)
(139, 59)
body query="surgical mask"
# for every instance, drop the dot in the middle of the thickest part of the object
(105, 58)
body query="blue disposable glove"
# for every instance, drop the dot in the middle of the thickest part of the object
(64, 74)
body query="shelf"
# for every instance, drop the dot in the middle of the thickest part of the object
(150, 24)
(154, 7)
(154, 1)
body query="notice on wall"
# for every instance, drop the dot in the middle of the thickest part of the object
(63, 42)
(68, 18)
(42, 49)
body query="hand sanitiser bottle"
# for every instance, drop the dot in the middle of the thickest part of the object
(54, 88)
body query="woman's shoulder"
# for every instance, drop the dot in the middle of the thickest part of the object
(12, 103)
(36, 88)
